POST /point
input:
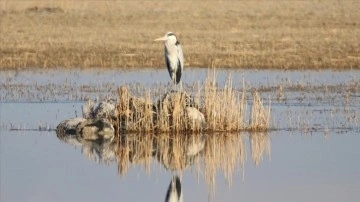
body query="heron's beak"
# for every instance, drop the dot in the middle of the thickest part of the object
(161, 39)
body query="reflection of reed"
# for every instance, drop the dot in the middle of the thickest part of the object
(136, 149)
(179, 152)
(223, 152)
(259, 143)
(175, 152)
(207, 154)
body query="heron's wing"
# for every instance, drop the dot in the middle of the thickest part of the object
(180, 63)
(178, 71)
(180, 55)
(167, 61)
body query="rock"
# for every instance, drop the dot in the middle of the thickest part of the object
(87, 129)
(88, 109)
(196, 119)
(180, 108)
(94, 129)
(68, 126)
(106, 109)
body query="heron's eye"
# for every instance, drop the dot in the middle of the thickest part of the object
(170, 34)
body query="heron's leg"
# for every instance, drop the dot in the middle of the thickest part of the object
(173, 83)
(180, 86)
(173, 78)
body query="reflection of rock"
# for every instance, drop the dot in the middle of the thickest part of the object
(98, 146)
(178, 152)
(208, 154)
(173, 152)
(99, 151)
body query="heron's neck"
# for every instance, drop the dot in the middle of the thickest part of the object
(171, 47)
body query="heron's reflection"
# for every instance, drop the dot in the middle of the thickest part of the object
(208, 154)
(174, 192)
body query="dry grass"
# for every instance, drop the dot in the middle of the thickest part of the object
(240, 34)
(223, 108)
(260, 116)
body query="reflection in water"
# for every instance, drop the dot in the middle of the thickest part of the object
(259, 143)
(224, 152)
(174, 192)
(207, 154)
(175, 153)
(100, 150)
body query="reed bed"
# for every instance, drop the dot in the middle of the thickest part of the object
(224, 108)
(212, 109)
(238, 34)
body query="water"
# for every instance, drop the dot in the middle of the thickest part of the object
(309, 155)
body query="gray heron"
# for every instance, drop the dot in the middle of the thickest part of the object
(174, 57)
(174, 192)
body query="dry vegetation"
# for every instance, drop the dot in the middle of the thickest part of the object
(223, 108)
(239, 34)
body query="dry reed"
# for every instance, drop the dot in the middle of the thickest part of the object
(260, 116)
(222, 108)
(239, 34)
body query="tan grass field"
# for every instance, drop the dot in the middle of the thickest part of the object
(279, 34)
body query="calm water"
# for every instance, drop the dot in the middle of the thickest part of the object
(311, 153)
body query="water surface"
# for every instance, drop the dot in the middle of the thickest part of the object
(309, 155)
